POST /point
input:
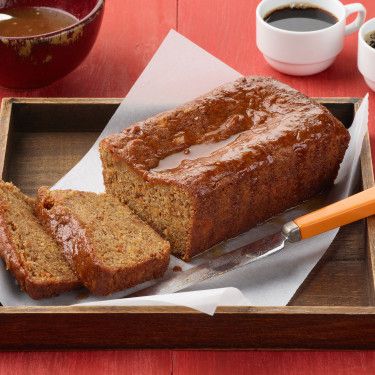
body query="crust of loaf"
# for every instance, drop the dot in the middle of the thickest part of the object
(74, 236)
(291, 153)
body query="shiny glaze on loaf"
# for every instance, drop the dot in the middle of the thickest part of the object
(266, 114)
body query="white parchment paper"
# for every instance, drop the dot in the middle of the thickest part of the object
(179, 72)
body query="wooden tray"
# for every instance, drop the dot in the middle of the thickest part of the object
(41, 139)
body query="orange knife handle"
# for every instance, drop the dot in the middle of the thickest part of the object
(348, 210)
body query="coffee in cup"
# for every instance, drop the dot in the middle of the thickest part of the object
(301, 17)
(370, 39)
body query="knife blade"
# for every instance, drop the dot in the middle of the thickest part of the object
(218, 266)
(348, 210)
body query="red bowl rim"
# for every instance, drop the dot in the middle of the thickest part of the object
(84, 21)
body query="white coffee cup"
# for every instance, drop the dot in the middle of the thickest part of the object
(308, 52)
(366, 54)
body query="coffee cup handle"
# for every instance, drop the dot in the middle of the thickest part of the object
(358, 22)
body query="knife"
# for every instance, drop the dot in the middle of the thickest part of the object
(348, 210)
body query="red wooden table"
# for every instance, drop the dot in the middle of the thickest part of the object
(132, 31)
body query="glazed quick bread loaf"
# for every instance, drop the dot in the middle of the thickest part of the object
(217, 166)
(29, 252)
(108, 246)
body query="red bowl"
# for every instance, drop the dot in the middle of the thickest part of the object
(36, 61)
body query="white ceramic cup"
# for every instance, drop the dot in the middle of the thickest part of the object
(366, 54)
(309, 52)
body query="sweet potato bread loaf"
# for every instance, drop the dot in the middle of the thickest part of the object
(29, 252)
(108, 246)
(217, 166)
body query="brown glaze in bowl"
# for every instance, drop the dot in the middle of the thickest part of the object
(36, 61)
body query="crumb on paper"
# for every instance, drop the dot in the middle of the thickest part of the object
(177, 269)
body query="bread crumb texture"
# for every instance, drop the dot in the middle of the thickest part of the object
(28, 251)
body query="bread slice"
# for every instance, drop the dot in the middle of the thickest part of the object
(109, 247)
(29, 252)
